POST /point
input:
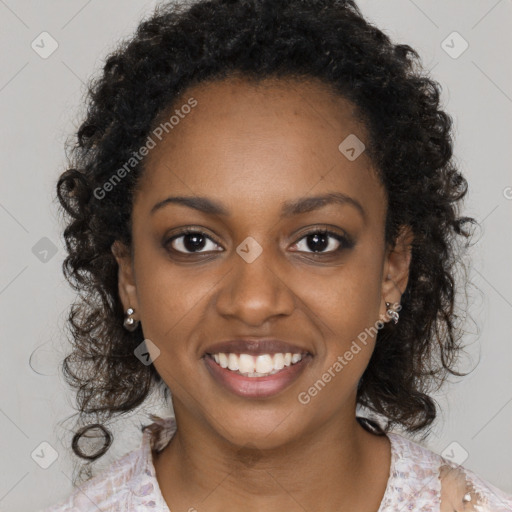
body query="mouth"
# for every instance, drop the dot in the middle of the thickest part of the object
(256, 375)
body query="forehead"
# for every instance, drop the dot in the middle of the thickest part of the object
(273, 140)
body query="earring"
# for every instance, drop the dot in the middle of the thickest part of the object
(392, 313)
(129, 322)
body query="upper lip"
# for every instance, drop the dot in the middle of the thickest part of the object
(255, 346)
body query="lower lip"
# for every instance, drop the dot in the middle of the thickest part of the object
(256, 387)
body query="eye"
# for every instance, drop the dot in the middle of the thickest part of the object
(321, 239)
(191, 241)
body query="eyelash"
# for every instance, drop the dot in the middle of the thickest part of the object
(345, 242)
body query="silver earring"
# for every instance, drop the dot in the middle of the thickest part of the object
(392, 313)
(129, 322)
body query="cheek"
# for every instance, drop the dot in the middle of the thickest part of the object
(170, 304)
(349, 299)
(346, 310)
(170, 300)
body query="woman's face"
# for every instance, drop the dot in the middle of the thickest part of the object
(254, 273)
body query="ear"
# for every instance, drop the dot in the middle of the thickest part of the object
(125, 277)
(396, 268)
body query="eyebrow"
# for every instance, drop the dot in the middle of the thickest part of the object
(290, 208)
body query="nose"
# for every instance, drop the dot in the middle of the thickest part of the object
(255, 292)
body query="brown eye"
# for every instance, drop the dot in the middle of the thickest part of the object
(323, 242)
(191, 242)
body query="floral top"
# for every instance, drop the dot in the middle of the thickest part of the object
(419, 480)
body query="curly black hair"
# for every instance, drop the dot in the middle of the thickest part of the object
(409, 142)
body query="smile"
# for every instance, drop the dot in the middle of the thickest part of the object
(256, 376)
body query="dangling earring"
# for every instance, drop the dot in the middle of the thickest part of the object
(129, 322)
(392, 313)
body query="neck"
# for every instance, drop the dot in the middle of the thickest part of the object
(332, 468)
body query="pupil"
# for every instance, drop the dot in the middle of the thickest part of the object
(318, 236)
(191, 242)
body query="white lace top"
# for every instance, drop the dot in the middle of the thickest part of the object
(419, 480)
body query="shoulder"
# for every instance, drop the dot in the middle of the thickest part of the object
(433, 483)
(413, 481)
(129, 483)
(105, 491)
(461, 485)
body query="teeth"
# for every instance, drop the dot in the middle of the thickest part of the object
(233, 362)
(246, 363)
(256, 366)
(223, 360)
(264, 363)
(278, 361)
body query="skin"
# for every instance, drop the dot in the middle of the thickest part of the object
(252, 148)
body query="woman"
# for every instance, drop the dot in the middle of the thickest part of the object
(263, 219)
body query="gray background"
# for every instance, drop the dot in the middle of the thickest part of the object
(40, 102)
